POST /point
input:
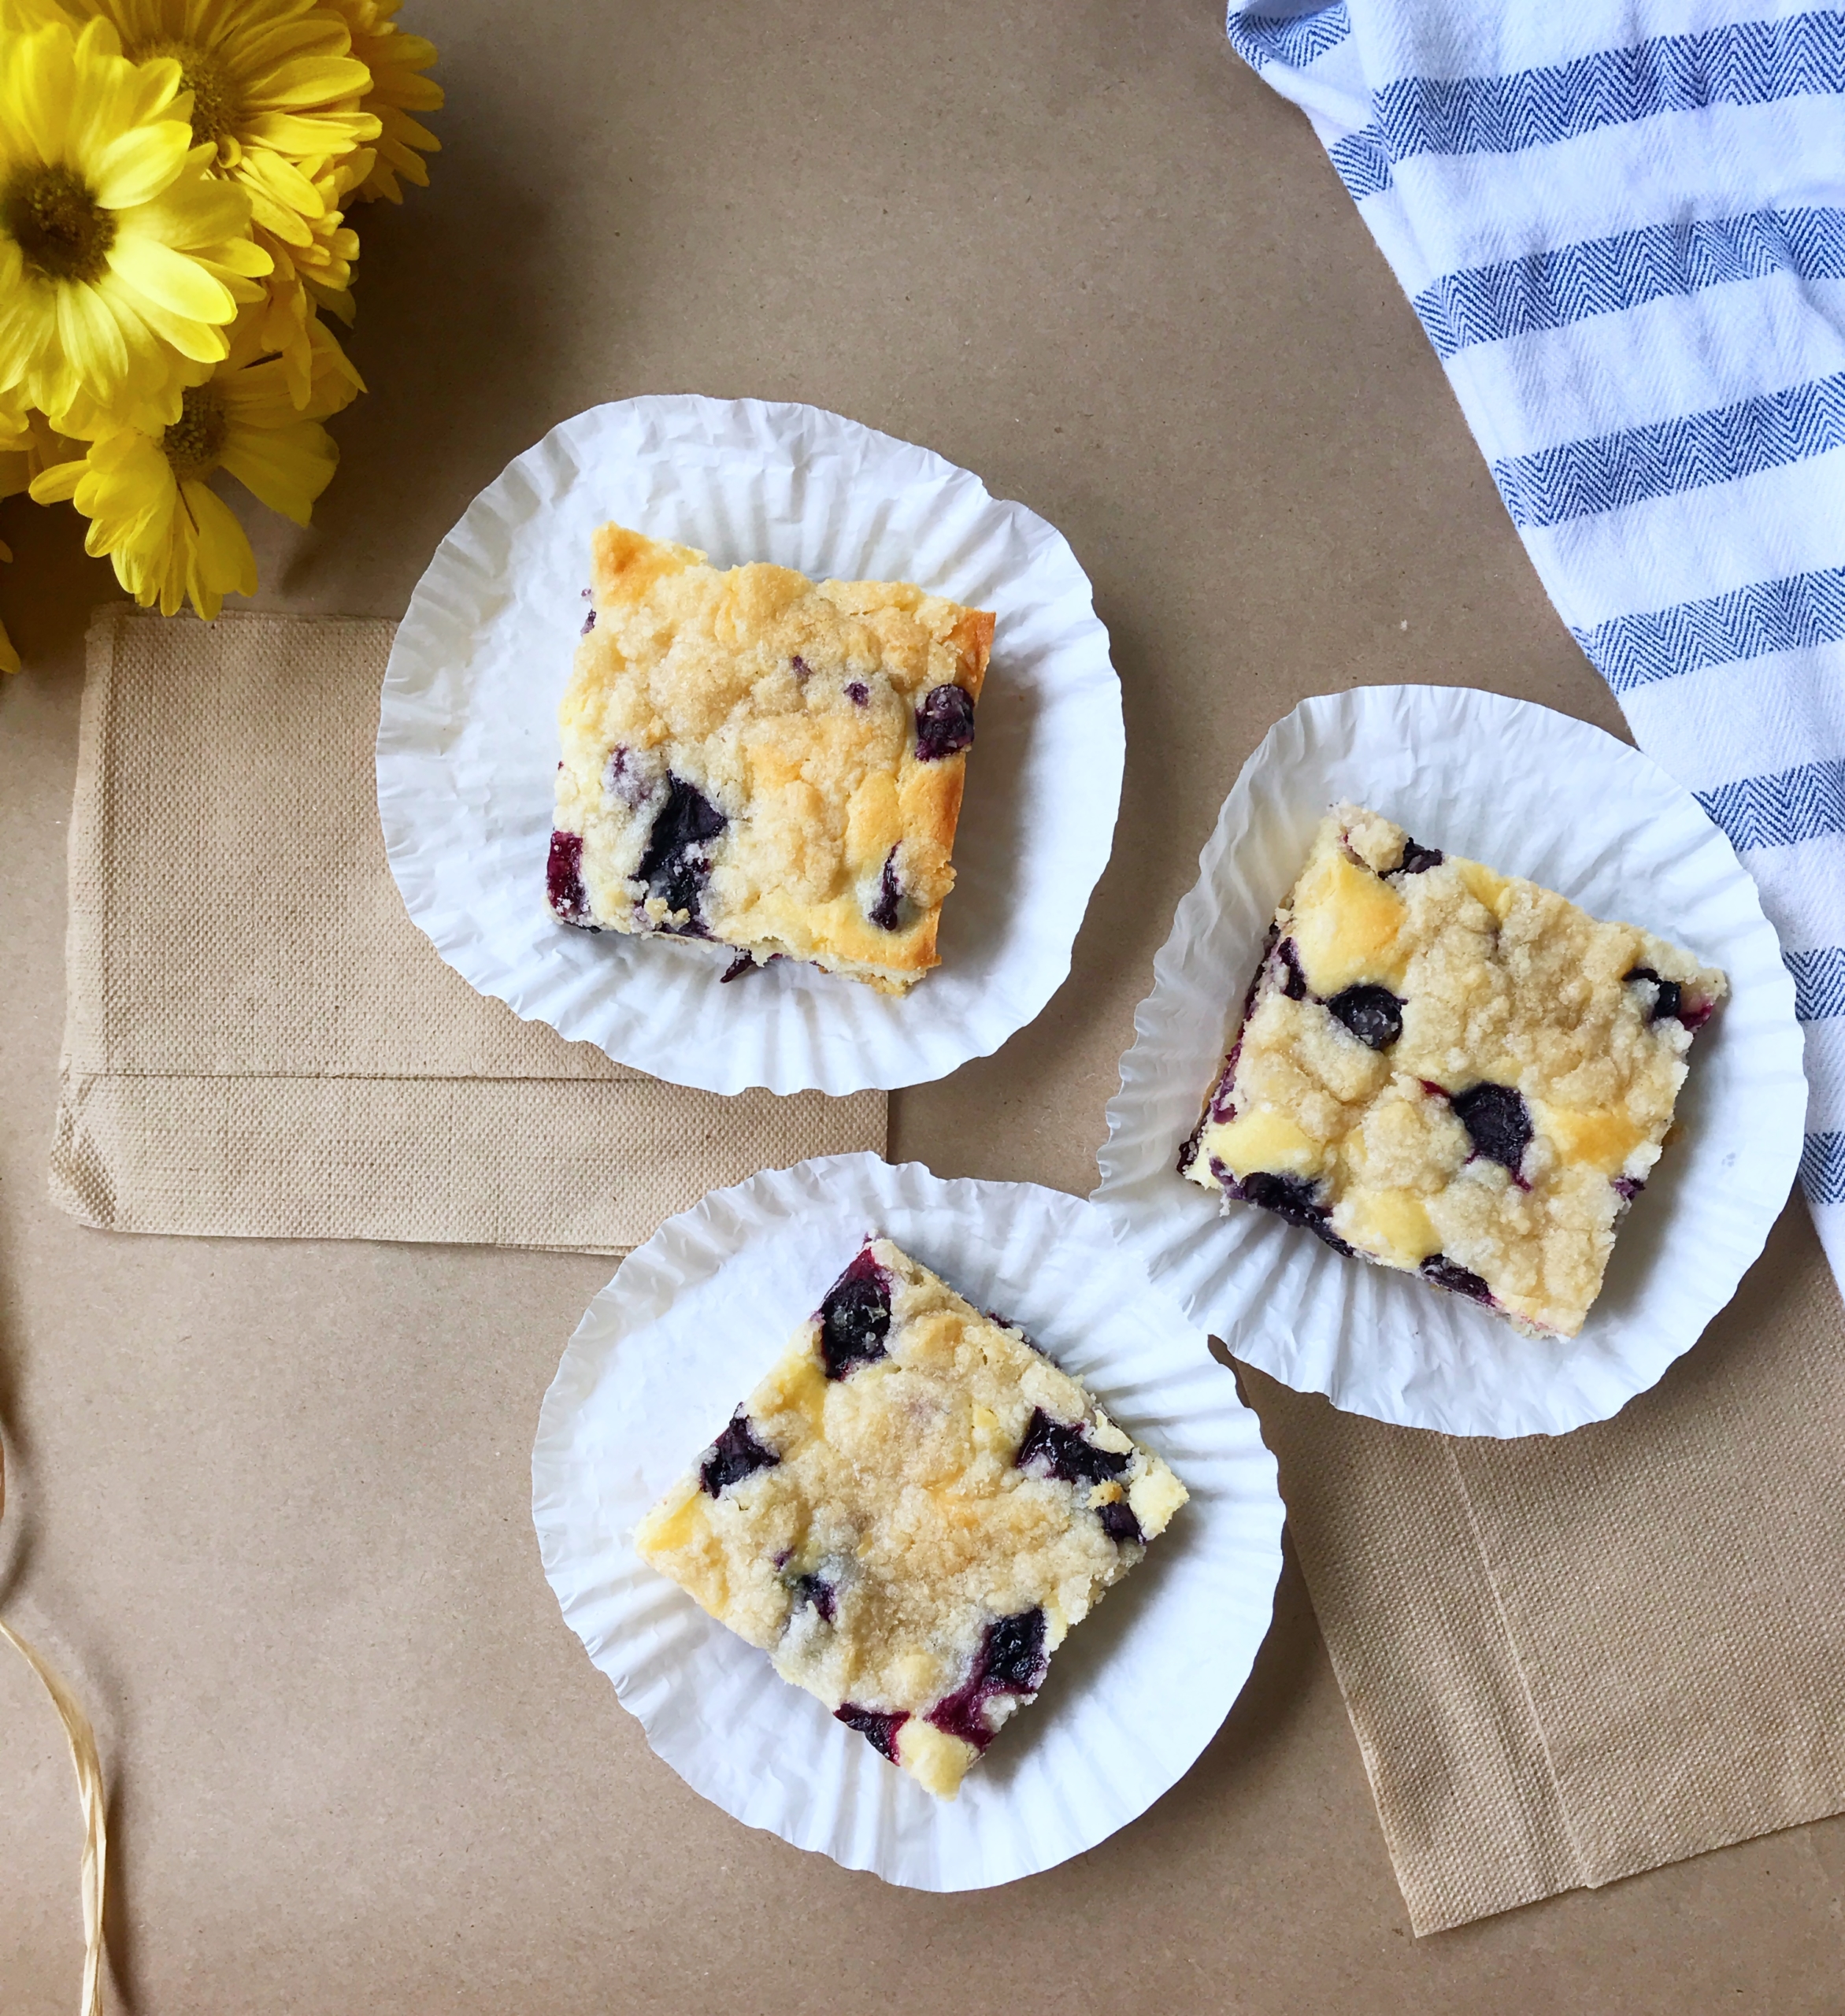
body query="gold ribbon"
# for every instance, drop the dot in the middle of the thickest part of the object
(89, 1769)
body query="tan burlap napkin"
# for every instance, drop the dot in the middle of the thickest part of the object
(1568, 1660)
(258, 1041)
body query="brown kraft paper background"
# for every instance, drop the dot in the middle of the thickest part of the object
(272, 1495)
(1569, 1658)
(259, 1041)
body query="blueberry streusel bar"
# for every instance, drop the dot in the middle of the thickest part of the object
(1452, 1071)
(908, 1514)
(756, 759)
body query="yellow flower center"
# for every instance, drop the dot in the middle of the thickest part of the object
(55, 221)
(216, 103)
(196, 439)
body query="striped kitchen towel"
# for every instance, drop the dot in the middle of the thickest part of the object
(1622, 224)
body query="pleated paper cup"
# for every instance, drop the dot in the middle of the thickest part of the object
(467, 740)
(685, 1330)
(1533, 793)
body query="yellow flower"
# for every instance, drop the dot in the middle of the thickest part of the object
(320, 271)
(16, 434)
(121, 260)
(273, 85)
(394, 59)
(146, 495)
(27, 445)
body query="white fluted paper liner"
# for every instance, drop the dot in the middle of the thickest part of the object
(687, 1328)
(467, 740)
(1532, 793)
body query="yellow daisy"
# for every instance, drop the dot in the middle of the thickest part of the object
(273, 85)
(121, 260)
(147, 496)
(320, 271)
(394, 60)
(28, 444)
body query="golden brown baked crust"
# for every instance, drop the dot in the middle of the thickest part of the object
(1452, 1072)
(909, 1512)
(761, 760)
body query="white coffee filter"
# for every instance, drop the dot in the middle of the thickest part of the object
(467, 740)
(1533, 793)
(691, 1322)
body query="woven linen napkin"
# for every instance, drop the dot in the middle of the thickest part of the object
(258, 1041)
(1622, 225)
(1569, 1659)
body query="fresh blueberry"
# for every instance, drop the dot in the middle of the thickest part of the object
(878, 1728)
(1119, 1523)
(676, 866)
(1255, 979)
(1014, 1661)
(884, 911)
(1289, 1197)
(1223, 1106)
(944, 722)
(1011, 1660)
(858, 693)
(855, 1317)
(735, 1455)
(1668, 997)
(1294, 982)
(1417, 859)
(1052, 1450)
(564, 878)
(1498, 1122)
(815, 1589)
(1447, 1273)
(1373, 1014)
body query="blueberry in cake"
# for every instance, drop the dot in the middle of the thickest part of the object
(908, 1514)
(767, 762)
(1452, 1072)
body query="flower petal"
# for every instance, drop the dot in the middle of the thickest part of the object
(310, 81)
(43, 83)
(311, 135)
(286, 468)
(221, 562)
(170, 281)
(137, 165)
(91, 338)
(56, 485)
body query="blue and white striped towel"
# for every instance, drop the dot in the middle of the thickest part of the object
(1622, 223)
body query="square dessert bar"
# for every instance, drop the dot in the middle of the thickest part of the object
(1452, 1072)
(757, 759)
(908, 1514)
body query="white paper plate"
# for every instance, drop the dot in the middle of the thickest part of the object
(467, 740)
(1533, 793)
(694, 1319)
